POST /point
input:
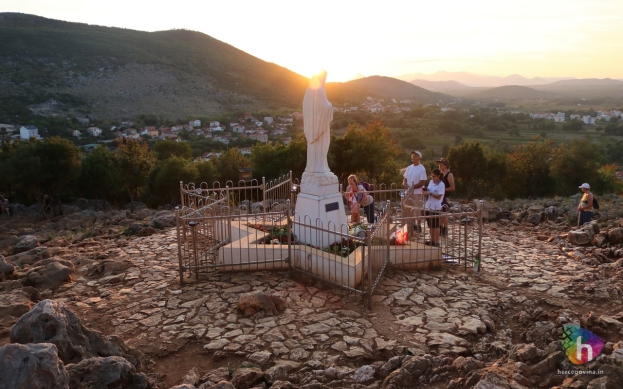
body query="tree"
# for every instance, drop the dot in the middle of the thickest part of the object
(98, 178)
(228, 165)
(528, 169)
(133, 162)
(164, 179)
(206, 172)
(469, 166)
(413, 143)
(574, 163)
(275, 160)
(372, 151)
(40, 167)
(167, 148)
(573, 126)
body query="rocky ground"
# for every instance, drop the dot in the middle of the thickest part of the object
(96, 296)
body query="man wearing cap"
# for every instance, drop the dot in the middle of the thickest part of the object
(414, 179)
(586, 203)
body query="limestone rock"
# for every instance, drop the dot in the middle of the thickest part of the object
(442, 338)
(277, 373)
(615, 235)
(246, 377)
(283, 385)
(524, 352)
(27, 242)
(135, 206)
(220, 385)
(9, 285)
(364, 375)
(53, 322)
(29, 257)
(389, 366)
(107, 372)
(493, 381)
(215, 376)
(50, 276)
(534, 219)
(163, 219)
(32, 366)
(192, 377)
(602, 383)
(260, 357)
(260, 304)
(5, 268)
(15, 303)
(110, 267)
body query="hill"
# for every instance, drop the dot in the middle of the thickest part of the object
(115, 72)
(386, 87)
(512, 92)
(54, 67)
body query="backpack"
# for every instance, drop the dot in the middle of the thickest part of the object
(365, 185)
(595, 203)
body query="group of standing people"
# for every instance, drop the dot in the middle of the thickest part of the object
(437, 192)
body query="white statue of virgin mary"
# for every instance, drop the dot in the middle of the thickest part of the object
(317, 115)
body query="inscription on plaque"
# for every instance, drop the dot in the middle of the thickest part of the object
(331, 207)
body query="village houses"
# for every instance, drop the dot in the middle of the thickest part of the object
(94, 131)
(29, 131)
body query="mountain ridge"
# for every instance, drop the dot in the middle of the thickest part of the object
(120, 73)
(481, 80)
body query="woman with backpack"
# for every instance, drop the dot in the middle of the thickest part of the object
(586, 203)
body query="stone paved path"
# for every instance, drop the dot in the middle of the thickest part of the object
(447, 311)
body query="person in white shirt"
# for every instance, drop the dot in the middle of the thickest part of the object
(435, 191)
(414, 180)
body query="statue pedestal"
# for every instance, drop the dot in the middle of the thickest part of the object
(320, 205)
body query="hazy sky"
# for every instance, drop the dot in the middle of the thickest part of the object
(546, 38)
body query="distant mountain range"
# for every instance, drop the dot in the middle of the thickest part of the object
(478, 80)
(513, 92)
(55, 67)
(583, 89)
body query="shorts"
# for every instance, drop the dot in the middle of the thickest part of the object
(433, 222)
